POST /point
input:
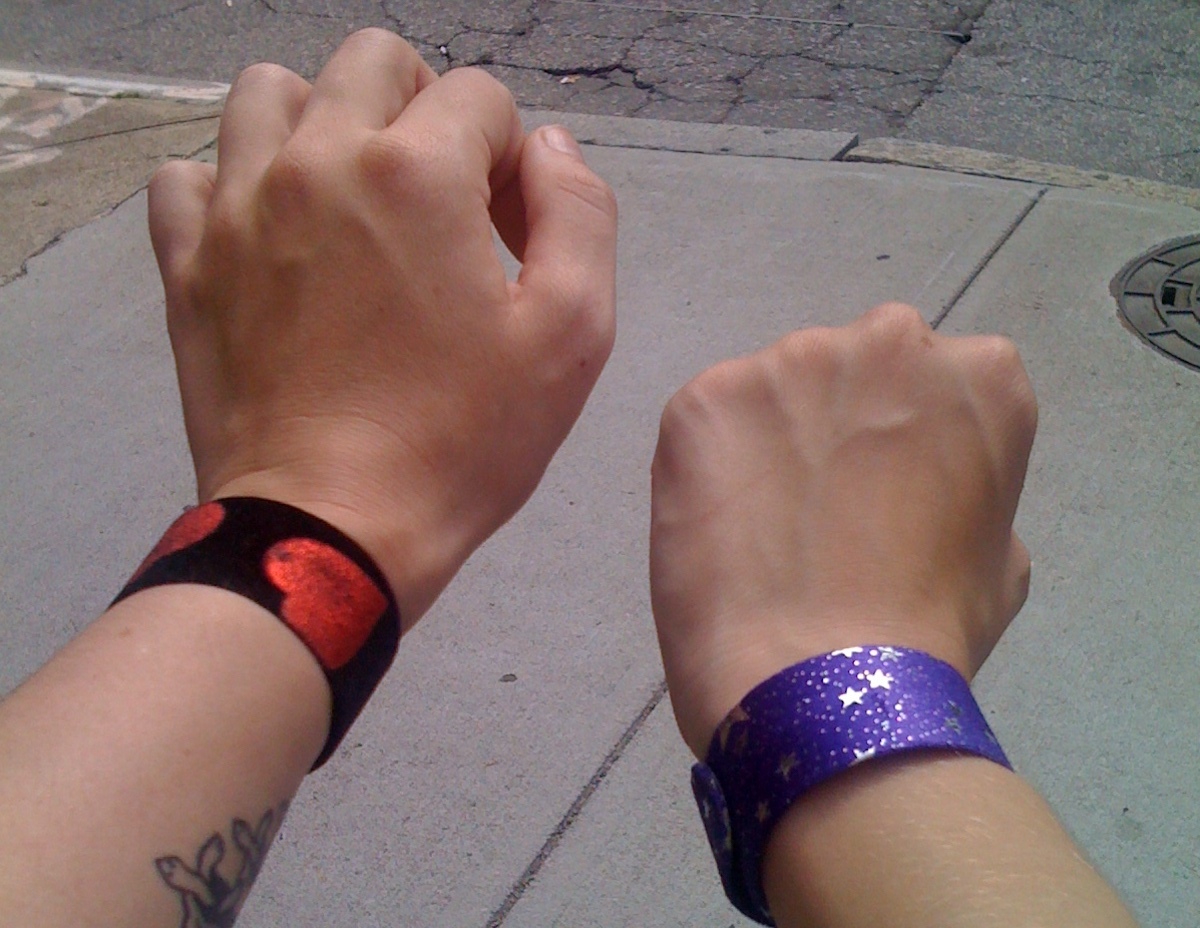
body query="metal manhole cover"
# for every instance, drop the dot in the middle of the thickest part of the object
(1159, 298)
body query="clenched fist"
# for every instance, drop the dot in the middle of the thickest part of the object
(844, 486)
(345, 335)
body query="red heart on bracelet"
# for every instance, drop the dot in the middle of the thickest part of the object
(328, 600)
(193, 526)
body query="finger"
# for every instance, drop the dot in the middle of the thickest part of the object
(369, 81)
(456, 150)
(179, 197)
(261, 113)
(894, 318)
(569, 274)
(473, 120)
(893, 337)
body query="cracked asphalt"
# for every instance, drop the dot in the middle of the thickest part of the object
(1099, 84)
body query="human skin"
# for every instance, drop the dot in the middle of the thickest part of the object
(346, 342)
(858, 486)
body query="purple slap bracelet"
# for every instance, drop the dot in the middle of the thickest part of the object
(812, 721)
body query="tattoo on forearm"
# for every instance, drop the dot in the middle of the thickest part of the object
(212, 892)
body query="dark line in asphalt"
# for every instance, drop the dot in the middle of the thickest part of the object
(937, 83)
(115, 132)
(987, 259)
(573, 813)
(960, 37)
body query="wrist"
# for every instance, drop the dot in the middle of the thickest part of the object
(712, 680)
(812, 723)
(417, 552)
(319, 582)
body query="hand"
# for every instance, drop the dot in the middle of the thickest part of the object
(844, 486)
(345, 336)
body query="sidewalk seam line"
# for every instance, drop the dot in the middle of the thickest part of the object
(572, 814)
(949, 305)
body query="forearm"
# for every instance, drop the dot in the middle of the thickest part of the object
(181, 710)
(933, 840)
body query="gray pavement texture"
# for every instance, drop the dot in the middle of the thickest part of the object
(519, 766)
(1106, 85)
(65, 159)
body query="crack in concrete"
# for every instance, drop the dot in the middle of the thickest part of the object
(539, 13)
(1167, 156)
(764, 17)
(23, 270)
(967, 26)
(182, 121)
(159, 17)
(1058, 98)
(601, 71)
(1100, 62)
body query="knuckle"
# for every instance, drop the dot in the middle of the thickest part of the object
(383, 157)
(997, 362)
(264, 76)
(675, 414)
(374, 38)
(999, 356)
(469, 89)
(478, 83)
(814, 353)
(1003, 356)
(708, 390)
(406, 168)
(895, 320)
(803, 344)
(168, 176)
(290, 180)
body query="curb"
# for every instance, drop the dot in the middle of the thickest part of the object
(697, 137)
(668, 135)
(1005, 167)
(101, 84)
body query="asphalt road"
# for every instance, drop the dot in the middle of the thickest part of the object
(1101, 84)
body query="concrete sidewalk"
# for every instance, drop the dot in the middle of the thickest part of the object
(520, 765)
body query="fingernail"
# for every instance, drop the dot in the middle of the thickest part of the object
(560, 139)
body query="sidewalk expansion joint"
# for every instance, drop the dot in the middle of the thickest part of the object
(576, 809)
(949, 305)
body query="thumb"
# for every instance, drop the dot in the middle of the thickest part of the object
(567, 284)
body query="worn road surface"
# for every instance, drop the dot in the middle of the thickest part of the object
(1099, 84)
